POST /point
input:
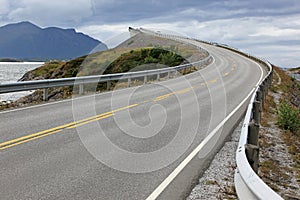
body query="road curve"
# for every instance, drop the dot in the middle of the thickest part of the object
(49, 151)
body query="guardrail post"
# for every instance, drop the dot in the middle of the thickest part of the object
(158, 77)
(271, 76)
(263, 93)
(252, 152)
(258, 96)
(168, 76)
(80, 89)
(176, 73)
(253, 130)
(145, 79)
(129, 82)
(45, 94)
(267, 85)
(108, 85)
(256, 111)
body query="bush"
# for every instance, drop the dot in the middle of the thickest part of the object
(288, 117)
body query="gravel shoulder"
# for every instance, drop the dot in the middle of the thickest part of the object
(218, 180)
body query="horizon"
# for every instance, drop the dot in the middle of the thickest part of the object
(258, 28)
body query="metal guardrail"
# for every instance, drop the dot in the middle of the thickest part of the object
(247, 183)
(50, 83)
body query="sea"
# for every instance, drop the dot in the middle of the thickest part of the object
(11, 72)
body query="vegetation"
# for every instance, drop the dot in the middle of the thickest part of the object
(137, 60)
(107, 62)
(288, 117)
(279, 135)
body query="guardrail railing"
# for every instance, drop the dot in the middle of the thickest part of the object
(50, 83)
(247, 183)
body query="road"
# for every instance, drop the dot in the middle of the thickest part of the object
(125, 143)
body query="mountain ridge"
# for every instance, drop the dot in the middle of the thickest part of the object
(25, 40)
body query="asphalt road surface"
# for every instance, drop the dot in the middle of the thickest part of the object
(125, 143)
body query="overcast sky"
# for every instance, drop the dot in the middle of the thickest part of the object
(265, 28)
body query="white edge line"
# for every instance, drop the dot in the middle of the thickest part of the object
(184, 163)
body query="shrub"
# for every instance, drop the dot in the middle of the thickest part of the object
(288, 117)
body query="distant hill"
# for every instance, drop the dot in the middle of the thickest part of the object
(25, 41)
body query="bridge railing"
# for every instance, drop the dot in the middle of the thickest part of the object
(51, 83)
(247, 183)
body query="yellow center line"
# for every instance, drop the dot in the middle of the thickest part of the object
(214, 80)
(30, 137)
(184, 90)
(27, 140)
(163, 97)
(226, 74)
(93, 120)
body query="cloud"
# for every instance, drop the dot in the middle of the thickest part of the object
(4, 8)
(51, 12)
(264, 36)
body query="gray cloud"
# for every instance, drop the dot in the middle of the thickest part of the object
(45, 13)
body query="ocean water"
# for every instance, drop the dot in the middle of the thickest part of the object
(12, 72)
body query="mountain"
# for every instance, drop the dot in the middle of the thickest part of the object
(25, 40)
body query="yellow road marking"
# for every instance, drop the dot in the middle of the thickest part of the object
(184, 91)
(163, 97)
(30, 137)
(145, 102)
(159, 98)
(93, 120)
(123, 108)
(27, 140)
(213, 81)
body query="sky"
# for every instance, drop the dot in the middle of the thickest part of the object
(268, 29)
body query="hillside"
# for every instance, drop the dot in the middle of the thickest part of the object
(140, 52)
(139, 59)
(26, 41)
